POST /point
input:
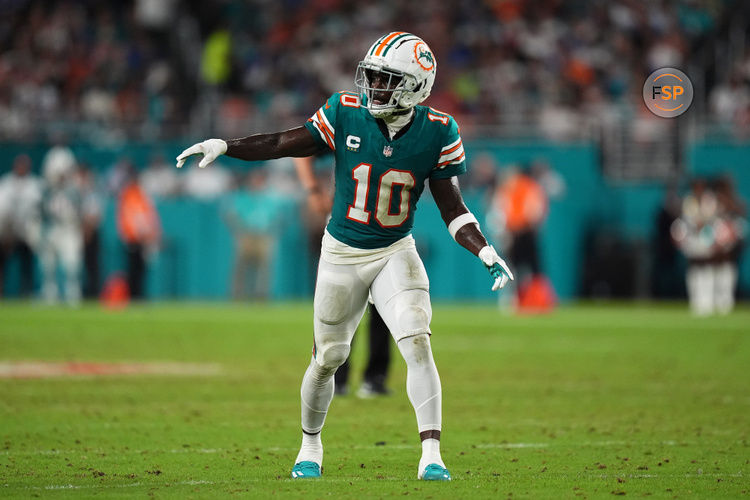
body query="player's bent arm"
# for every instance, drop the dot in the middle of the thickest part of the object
(461, 223)
(464, 228)
(294, 142)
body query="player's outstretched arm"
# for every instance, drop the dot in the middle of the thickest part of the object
(294, 142)
(464, 228)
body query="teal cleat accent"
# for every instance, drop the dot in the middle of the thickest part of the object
(305, 470)
(435, 472)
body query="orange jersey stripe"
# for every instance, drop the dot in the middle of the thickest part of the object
(385, 42)
(451, 161)
(322, 122)
(326, 132)
(328, 138)
(452, 149)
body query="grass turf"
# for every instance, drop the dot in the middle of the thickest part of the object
(591, 401)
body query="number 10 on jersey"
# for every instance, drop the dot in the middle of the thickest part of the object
(392, 177)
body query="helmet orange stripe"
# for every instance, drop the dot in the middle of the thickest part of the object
(404, 37)
(388, 39)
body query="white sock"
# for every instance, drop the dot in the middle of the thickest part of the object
(316, 394)
(311, 449)
(430, 454)
(423, 388)
(422, 381)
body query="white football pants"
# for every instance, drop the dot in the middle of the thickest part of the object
(399, 288)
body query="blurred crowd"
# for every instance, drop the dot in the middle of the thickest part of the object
(166, 68)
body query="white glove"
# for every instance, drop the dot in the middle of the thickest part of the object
(496, 266)
(210, 149)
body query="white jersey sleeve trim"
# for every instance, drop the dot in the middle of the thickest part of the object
(323, 126)
(449, 146)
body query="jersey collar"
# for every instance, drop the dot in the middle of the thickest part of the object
(407, 122)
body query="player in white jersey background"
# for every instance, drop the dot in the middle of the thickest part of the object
(387, 147)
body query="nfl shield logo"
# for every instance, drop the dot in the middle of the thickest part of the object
(387, 151)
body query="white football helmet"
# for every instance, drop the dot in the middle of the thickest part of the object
(396, 74)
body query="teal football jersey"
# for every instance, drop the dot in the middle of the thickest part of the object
(379, 180)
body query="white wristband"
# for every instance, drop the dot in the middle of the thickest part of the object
(461, 221)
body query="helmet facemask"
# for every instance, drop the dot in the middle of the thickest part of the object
(384, 89)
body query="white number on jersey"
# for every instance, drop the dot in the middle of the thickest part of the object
(393, 177)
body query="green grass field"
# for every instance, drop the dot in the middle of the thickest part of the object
(591, 401)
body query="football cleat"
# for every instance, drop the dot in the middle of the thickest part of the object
(435, 472)
(305, 470)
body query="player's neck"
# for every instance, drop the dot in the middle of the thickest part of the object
(397, 122)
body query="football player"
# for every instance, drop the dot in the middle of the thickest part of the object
(379, 353)
(386, 147)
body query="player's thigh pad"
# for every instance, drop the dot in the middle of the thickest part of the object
(340, 300)
(401, 294)
(333, 301)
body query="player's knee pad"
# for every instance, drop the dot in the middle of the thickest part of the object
(413, 313)
(332, 303)
(416, 349)
(331, 355)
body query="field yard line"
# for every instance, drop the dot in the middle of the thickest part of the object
(129, 485)
(513, 445)
(327, 479)
(355, 447)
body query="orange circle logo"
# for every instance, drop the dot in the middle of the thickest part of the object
(423, 56)
(668, 92)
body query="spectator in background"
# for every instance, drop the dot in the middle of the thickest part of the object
(692, 234)
(665, 274)
(159, 179)
(118, 175)
(731, 229)
(140, 231)
(316, 209)
(482, 176)
(6, 233)
(62, 237)
(207, 183)
(20, 219)
(521, 204)
(253, 215)
(91, 216)
(59, 161)
(709, 232)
